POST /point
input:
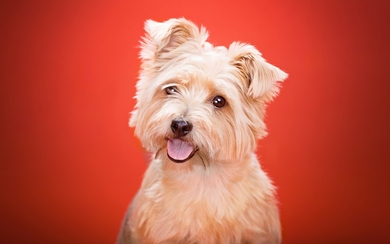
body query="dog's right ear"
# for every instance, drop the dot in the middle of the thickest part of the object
(163, 37)
(262, 78)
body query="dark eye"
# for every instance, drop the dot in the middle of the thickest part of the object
(219, 101)
(171, 90)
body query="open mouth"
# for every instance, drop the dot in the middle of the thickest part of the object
(180, 151)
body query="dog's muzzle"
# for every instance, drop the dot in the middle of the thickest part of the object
(180, 150)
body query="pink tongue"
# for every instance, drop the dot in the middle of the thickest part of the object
(179, 150)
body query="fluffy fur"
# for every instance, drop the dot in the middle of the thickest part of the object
(219, 194)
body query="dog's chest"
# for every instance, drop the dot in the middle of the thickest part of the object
(193, 207)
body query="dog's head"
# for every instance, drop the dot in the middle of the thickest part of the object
(194, 98)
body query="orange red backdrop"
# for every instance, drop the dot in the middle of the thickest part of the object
(70, 165)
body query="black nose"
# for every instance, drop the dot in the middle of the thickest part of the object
(181, 127)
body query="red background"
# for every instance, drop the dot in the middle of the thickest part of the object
(70, 165)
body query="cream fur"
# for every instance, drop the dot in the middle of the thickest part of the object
(221, 194)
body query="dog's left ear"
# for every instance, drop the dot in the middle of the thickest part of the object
(261, 77)
(163, 37)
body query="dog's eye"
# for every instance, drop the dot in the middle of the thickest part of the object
(219, 101)
(171, 90)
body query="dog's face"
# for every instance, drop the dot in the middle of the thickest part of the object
(193, 98)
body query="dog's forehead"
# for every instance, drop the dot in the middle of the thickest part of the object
(206, 68)
(203, 77)
(209, 63)
(198, 87)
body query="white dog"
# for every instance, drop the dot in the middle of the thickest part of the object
(200, 111)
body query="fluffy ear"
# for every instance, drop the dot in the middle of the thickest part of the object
(163, 37)
(261, 77)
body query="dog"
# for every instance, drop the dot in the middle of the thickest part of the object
(200, 110)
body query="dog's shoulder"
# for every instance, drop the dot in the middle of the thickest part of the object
(124, 236)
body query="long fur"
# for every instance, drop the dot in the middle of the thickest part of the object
(221, 194)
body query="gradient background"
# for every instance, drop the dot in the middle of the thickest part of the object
(70, 165)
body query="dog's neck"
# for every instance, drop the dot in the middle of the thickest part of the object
(202, 165)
